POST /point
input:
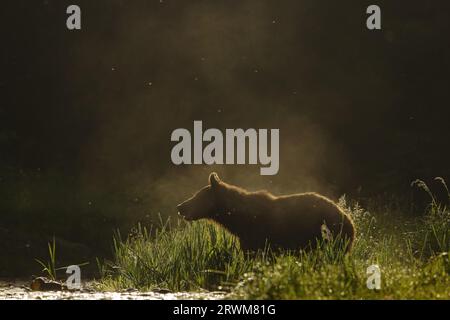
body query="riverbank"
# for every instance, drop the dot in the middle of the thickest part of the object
(19, 290)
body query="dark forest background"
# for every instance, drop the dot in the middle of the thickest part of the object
(86, 116)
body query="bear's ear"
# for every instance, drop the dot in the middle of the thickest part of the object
(214, 179)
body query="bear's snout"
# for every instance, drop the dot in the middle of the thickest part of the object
(182, 211)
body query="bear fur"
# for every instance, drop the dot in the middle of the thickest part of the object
(259, 218)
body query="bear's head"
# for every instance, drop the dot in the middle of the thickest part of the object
(203, 203)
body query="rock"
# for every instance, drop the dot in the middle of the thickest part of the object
(44, 284)
(162, 290)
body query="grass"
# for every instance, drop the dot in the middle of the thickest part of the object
(183, 257)
(413, 256)
(49, 267)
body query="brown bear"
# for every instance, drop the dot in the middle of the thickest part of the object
(259, 218)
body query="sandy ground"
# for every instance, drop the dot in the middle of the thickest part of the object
(19, 290)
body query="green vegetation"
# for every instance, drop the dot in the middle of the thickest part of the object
(182, 257)
(49, 267)
(413, 256)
